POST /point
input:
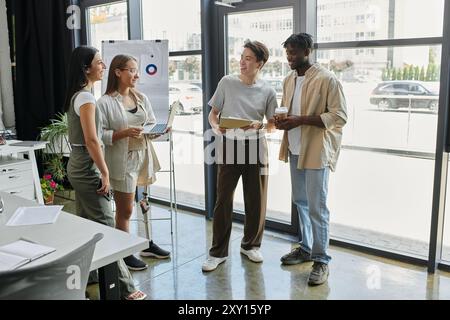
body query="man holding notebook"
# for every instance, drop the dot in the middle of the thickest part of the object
(244, 153)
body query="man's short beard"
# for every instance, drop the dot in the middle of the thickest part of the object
(303, 64)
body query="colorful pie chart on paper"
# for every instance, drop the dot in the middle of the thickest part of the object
(151, 69)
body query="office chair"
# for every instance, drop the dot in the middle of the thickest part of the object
(62, 279)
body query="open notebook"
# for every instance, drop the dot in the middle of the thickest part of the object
(18, 253)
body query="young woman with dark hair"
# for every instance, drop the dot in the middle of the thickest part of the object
(87, 170)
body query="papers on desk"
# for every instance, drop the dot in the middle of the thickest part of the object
(21, 252)
(233, 123)
(25, 216)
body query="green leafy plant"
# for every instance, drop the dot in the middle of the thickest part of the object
(55, 165)
(56, 134)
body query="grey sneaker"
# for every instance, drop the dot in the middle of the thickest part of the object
(154, 251)
(134, 263)
(296, 256)
(319, 274)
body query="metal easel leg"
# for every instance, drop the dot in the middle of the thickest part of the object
(171, 171)
(145, 208)
(174, 190)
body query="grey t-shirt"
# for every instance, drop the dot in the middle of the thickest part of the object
(233, 98)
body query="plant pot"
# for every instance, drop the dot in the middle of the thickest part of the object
(49, 200)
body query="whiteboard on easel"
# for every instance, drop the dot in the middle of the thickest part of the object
(153, 62)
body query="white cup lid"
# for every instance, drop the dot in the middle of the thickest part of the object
(281, 110)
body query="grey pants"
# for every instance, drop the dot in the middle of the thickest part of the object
(85, 180)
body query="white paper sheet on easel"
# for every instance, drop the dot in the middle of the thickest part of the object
(152, 68)
(26, 216)
(153, 63)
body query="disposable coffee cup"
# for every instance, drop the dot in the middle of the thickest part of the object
(281, 112)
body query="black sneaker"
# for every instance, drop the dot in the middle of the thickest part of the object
(134, 263)
(154, 251)
(296, 256)
(319, 274)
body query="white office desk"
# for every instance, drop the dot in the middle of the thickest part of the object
(70, 232)
(14, 168)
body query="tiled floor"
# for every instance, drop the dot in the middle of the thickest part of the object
(352, 275)
(367, 237)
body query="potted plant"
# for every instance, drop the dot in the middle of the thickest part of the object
(49, 187)
(57, 148)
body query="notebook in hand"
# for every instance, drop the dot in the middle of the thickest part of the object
(233, 123)
(18, 253)
(160, 128)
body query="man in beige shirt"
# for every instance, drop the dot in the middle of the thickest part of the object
(311, 142)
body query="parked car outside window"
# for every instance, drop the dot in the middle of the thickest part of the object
(189, 95)
(406, 94)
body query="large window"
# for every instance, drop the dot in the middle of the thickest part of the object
(178, 21)
(183, 30)
(107, 22)
(381, 193)
(378, 19)
(104, 23)
(393, 88)
(185, 85)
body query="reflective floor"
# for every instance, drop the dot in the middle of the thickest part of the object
(352, 275)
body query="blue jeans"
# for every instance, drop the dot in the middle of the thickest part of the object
(309, 194)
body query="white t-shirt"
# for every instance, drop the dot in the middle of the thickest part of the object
(295, 134)
(82, 99)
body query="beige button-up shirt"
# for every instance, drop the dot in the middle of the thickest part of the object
(322, 95)
(116, 154)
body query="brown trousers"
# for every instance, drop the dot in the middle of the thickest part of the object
(254, 183)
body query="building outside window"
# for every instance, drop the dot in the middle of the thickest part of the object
(381, 193)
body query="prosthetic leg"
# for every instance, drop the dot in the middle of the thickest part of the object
(145, 209)
(154, 250)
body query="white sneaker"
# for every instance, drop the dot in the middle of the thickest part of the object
(212, 263)
(253, 254)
